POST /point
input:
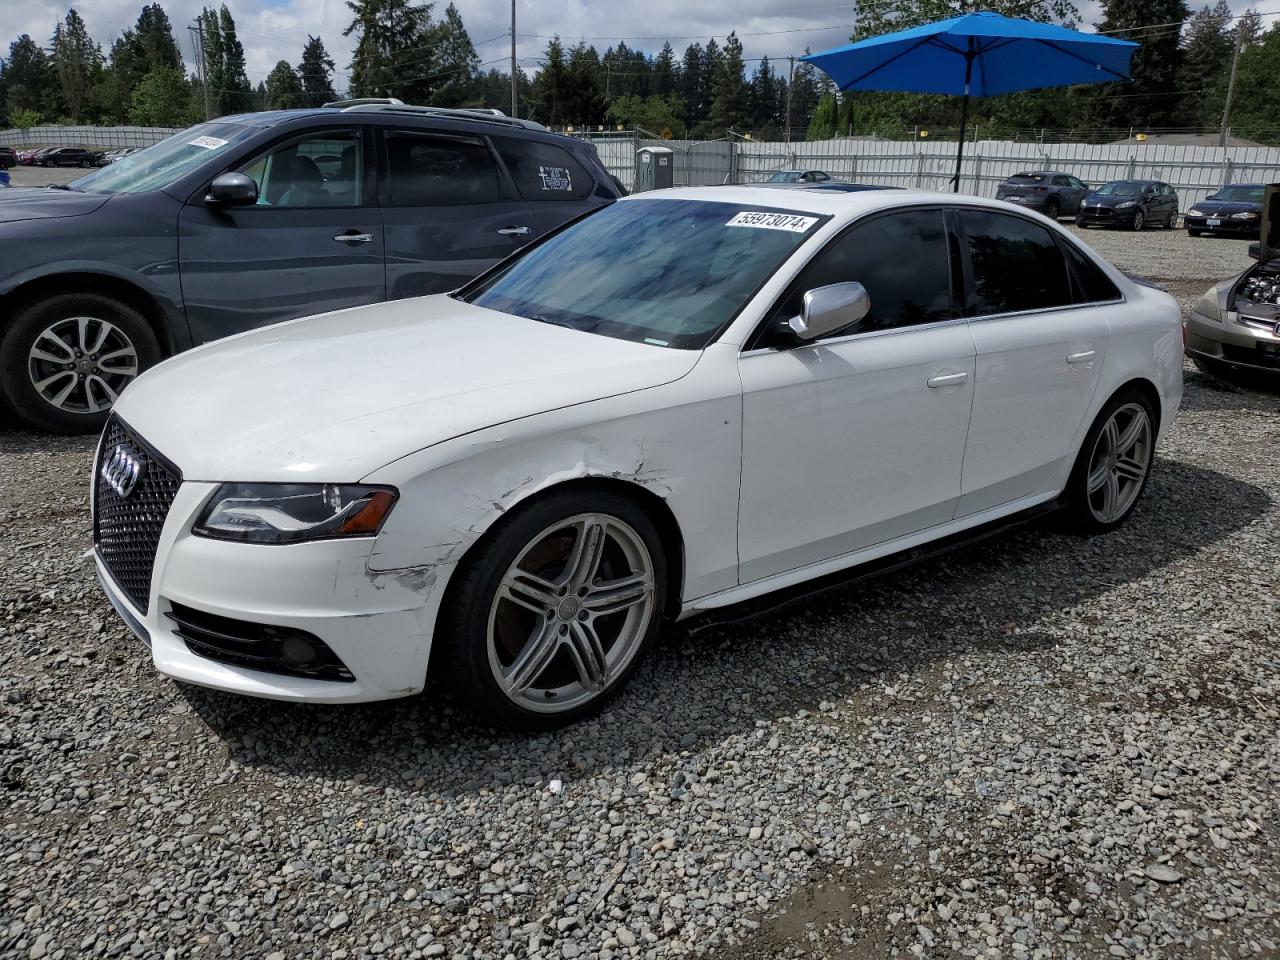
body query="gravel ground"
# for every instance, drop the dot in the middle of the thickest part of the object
(1042, 746)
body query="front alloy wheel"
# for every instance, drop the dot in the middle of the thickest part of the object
(551, 612)
(80, 364)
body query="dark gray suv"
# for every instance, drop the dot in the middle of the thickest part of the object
(249, 220)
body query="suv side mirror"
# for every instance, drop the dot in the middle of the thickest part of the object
(232, 190)
(837, 306)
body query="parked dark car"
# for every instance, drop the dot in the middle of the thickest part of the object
(8, 158)
(67, 157)
(32, 156)
(1047, 191)
(1134, 204)
(799, 176)
(1235, 210)
(279, 215)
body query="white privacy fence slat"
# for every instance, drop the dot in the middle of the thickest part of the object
(98, 137)
(1194, 171)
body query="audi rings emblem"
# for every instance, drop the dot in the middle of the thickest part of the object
(123, 469)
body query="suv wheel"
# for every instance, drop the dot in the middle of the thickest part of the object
(63, 361)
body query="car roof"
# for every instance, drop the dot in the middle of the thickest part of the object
(271, 118)
(823, 202)
(835, 186)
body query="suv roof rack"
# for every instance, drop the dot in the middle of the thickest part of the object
(392, 105)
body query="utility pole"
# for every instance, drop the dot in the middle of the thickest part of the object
(1231, 89)
(197, 32)
(514, 104)
(791, 79)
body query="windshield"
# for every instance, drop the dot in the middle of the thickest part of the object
(1028, 178)
(671, 273)
(164, 162)
(1240, 194)
(785, 176)
(1121, 188)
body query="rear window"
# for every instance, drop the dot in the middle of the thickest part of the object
(542, 171)
(1027, 178)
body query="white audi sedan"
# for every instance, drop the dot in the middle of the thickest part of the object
(684, 401)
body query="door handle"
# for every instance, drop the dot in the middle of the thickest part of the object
(515, 231)
(946, 380)
(1083, 357)
(352, 236)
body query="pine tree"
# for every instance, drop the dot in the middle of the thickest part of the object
(585, 104)
(154, 36)
(806, 92)
(1153, 99)
(731, 101)
(76, 59)
(551, 88)
(690, 85)
(457, 60)
(1256, 104)
(315, 73)
(665, 73)
(28, 73)
(282, 90)
(825, 118)
(1249, 28)
(765, 87)
(1206, 57)
(234, 97)
(394, 53)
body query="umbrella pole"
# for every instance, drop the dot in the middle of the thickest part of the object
(964, 115)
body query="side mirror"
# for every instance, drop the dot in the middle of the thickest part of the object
(837, 306)
(232, 190)
(1255, 250)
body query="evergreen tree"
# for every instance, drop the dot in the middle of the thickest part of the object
(1256, 105)
(394, 55)
(234, 97)
(162, 99)
(282, 90)
(731, 100)
(805, 93)
(153, 34)
(766, 96)
(1206, 58)
(1249, 28)
(214, 61)
(76, 59)
(874, 19)
(1153, 99)
(551, 89)
(315, 72)
(457, 59)
(665, 77)
(585, 99)
(690, 85)
(825, 118)
(28, 73)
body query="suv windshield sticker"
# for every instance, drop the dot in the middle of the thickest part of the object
(556, 178)
(772, 221)
(209, 143)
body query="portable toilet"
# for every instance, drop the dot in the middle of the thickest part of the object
(655, 168)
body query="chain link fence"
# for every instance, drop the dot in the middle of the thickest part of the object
(98, 138)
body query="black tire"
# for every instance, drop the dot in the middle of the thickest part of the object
(1079, 516)
(1053, 208)
(463, 634)
(1193, 233)
(17, 390)
(1139, 221)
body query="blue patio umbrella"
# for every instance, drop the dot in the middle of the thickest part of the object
(976, 55)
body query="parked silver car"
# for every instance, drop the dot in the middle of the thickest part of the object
(1236, 324)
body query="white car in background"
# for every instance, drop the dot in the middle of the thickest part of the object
(686, 400)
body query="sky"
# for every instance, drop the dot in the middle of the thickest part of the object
(271, 30)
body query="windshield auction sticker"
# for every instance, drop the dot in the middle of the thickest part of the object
(772, 221)
(209, 143)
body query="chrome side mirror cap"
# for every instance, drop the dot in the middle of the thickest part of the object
(829, 309)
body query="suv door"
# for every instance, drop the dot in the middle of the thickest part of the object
(555, 184)
(858, 438)
(312, 242)
(1040, 354)
(449, 210)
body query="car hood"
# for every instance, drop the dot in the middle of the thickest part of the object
(38, 203)
(339, 395)
(1227, 207)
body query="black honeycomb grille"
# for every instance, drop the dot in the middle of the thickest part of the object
(126, 530)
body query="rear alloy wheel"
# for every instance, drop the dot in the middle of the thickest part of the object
(64, 361)
(1139, 220)
(1114, 463)
(552, 615)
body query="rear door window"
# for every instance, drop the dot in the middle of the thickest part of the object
(544, 172)
(1016, 265)
(434, 170)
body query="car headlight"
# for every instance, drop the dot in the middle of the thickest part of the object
(1126, 205)
(1209, 306)
(1193, 212)
(1247, 215)
(293, 512)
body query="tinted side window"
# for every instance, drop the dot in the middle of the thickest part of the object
(1061, 182)
(1016, 265)
(1091, 284)
(322, 170)
(1078, 184)
(903, 261)
(543, 171)
(436, 171)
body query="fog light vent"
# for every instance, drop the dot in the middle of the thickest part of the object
(258, 646)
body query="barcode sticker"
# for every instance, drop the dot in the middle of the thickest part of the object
(209, 143)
